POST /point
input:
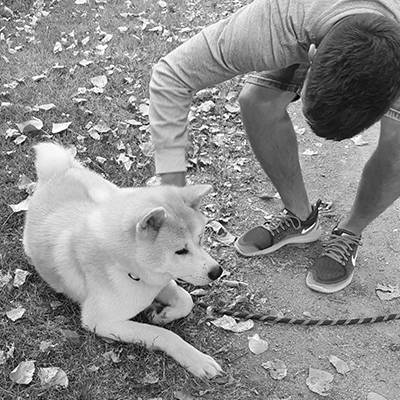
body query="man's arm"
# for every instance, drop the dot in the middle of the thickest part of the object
(240, 44)
(380, 181)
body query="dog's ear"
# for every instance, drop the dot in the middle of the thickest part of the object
(152, 221)
(193, 194)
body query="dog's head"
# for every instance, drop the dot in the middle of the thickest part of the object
(168, 238)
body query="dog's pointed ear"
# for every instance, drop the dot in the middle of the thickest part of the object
(152, 221)
(193, 194)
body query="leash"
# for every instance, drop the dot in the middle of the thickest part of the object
(303, 321)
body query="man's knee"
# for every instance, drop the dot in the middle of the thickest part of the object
(268, 101)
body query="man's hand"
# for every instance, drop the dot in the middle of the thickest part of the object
(173, 178)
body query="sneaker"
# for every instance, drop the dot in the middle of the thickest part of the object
(284, 228)
(334, 269)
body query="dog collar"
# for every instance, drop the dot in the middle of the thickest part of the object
(134, 278)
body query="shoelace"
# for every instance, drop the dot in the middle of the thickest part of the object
(340, 247)
(279, 222)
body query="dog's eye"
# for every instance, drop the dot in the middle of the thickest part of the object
(182, 251)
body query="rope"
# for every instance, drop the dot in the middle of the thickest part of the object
(304, 321)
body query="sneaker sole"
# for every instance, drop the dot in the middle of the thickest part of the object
(308, 238)
(327, 288)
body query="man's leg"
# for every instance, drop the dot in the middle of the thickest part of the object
(273, 139)
(379, 187)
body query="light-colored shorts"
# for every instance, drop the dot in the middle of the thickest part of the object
(291, 79)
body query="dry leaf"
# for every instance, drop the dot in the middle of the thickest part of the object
(20, 277)
(23, 373)
(207, 106)
(179, 395)
(310, 152)
(22, 206)
(38, 78)
(387, 292)
(151, 378)
(57, 48)
(33, 125)
(232, 108)
(20, 139)
(52, 377)
(358, 140)
(112, 356)
(85, 63)
(198, 292)
(16, 313)
(144, 109)
(229, 324)
(339, 365)
(47, 107)
(257, 345)
(60, 127)
(125, 161)
(101, 127)
(4, 279)
(45, 345)
(99, 81)
(277, 369)
(319, 381)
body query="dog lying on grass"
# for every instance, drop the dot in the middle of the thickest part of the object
(117, 251)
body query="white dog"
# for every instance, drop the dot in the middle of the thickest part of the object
(116, 251)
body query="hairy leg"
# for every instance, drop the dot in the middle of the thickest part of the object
(273, 139)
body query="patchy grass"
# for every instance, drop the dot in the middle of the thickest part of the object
(127, 63)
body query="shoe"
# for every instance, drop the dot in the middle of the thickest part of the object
(284, 228)
(334, 269)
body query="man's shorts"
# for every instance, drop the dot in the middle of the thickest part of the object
(291, 79)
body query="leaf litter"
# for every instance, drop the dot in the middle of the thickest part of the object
(23, 373)
(257, 345)
(340, 366)
(319, 381)
(229, 323)
(52, 377)
(387, 292)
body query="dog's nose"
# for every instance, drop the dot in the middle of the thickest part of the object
(215, 273)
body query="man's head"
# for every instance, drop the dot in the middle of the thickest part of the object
(354, 76)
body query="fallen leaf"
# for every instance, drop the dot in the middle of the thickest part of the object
(319, 381)
(47, 107)
(144, 109)
(99, 81)
(310, 152)
(23, 373)
(94, 134)
(20, 139)
(179, 395)
(4, 356)
(101, 160)
(359, 141)
(339, 365)
(85, 63)
(20, 277)
(232, 108)
(33, 125)
(38, 78)
(52, 377)
(234, 284)
(57, 48)
(223, 236)
(4, 278)
(206, 107)
(22, 206)
(101, 127)
(107, 38)
(229, 324)
(112, 356)
(387, 292)
(16, 313)
(60, 127)
(45, 345)
(375, 396)
(70, 335)
(198, 292)
(257, 345)
(277, 369)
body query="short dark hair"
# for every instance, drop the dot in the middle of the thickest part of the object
(354, 77)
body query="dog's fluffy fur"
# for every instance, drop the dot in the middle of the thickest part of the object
(116, 251)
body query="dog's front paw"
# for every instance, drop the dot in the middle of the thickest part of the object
(202, 365)
(161, 317)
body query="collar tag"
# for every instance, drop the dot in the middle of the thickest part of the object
(134, 278)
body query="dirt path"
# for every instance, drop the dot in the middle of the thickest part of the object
(372, 350)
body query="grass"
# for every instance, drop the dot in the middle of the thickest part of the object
(132, 54)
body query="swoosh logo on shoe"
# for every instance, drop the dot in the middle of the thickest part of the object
(354, 258)
(306, 230)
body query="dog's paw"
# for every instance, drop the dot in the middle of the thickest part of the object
(161, 317)
(202, 365)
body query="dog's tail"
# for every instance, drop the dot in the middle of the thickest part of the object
(52, 159)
